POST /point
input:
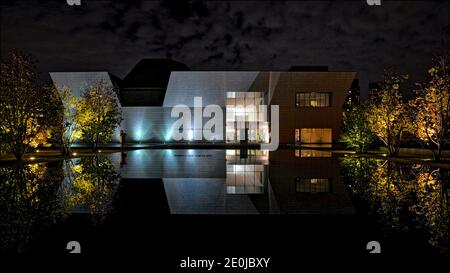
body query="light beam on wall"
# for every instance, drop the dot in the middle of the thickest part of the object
(190, 135)
(168, 136)
(138, 135)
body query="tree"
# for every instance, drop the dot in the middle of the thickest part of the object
(431, 108)
(356, 132)
(25, 105)
(387, 117)
(98, 114)
(70, 130)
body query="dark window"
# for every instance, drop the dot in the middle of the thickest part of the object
(312, 185)
(313, 99)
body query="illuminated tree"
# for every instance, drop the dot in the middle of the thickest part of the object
(387, 117)
(431, 108)
(356, 132)
(98, 114)
(26, 106)
(70, 130)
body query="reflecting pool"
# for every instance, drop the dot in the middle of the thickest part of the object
(93, 198)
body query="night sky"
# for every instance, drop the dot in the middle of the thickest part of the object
(234, 35)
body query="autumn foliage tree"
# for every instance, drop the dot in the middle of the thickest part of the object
(98, 114)
(356, 132)
(388, 117)
(26, 105)
(431, 108)
(70, 129)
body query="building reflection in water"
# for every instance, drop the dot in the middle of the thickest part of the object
(311, 153)
(239, 189)
(246, 171)
(243, 181)
(308, 185)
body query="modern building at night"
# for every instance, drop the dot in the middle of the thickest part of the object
(310, 100)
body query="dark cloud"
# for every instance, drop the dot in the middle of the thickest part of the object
(113, 36)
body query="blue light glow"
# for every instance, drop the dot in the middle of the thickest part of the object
(138, 135)
(168, 136)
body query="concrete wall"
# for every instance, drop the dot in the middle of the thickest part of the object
(212, 86)
(79, 81)
(154, 124)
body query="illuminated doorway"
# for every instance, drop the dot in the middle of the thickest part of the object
(245, 120)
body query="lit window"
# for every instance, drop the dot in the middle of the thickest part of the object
(312, 99)
(314, 135)
(231, 95)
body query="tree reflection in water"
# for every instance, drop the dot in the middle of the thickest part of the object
(89, 185)
(33, 197)
(29, 202)
(402, 197)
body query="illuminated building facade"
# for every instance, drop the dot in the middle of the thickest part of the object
(310, 101)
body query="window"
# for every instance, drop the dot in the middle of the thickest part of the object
(245, 179)
(312, 185)
(231, 95)
(316, 135)
(312, 99)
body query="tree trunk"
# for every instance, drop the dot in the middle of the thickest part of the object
(18, 153)
(65, 149)
(95, 144)
(437, 156)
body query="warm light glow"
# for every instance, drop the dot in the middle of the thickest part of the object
(32, 158)
(74, 154)
(231, 152)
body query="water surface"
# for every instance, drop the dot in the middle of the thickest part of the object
(298, 195)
